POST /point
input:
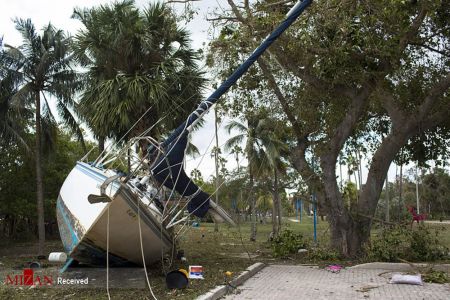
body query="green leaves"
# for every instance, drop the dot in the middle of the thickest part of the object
(41, 67)
(288, 242)
(135, 59)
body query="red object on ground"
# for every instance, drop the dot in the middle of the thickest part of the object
(415, 216)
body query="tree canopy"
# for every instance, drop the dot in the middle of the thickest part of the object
(343, 69)
(138, 62)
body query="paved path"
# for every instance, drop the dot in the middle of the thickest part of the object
(305, 282)
(444, 222)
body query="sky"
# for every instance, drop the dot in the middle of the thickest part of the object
(59, 14)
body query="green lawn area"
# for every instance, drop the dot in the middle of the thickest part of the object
(218, 252)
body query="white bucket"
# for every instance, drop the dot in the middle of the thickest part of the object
(57, 257)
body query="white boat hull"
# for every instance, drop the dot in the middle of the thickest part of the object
(83, 226)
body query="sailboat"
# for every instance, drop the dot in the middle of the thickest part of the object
(106, 215)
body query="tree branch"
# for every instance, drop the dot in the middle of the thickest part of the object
(278, 3)
(237, 13)
(222, 19)
(413, 29)
(393, 111)
(346, 126)
(284, 105)
(443, 53)
(303, 73)
(438, 90)
(180, 1)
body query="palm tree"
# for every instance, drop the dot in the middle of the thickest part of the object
(236, 150)
(135, 60)
(41, 68)
(13, 119)
(262, 148)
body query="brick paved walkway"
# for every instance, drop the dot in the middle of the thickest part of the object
(304, 282)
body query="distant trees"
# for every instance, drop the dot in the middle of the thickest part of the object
(18, 215)
(434, 195)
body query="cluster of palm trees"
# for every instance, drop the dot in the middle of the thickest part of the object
(123, 62)
(264, 148)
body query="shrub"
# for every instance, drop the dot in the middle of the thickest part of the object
(323, 253)
(288, 242)
(434, 276)
(401, 242)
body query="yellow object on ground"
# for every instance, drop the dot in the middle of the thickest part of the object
(184, 272)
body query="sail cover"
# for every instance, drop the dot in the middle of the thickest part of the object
(168, 170)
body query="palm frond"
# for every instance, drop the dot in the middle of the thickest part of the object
(235, 125)
(233, 141)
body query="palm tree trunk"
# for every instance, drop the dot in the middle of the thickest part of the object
(400, 190)
(216, 160)
(129, 160)
(275, 207)
(387, 214)
(101, 144)
(252, 210)
(277, 196)
(359, 169)
(39, 187)
(274, 217)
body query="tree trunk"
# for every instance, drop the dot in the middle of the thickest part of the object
(129, 160)
(387, 214)
(39, 187)
(276, 213)
(216, 161)
(277, 195)
(274, 218)
(252, 210)
(101, 144)
(345, 235)
(377, 175)
(400, 189)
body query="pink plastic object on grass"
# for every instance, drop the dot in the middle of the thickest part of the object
(334, 268)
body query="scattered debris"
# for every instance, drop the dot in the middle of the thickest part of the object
(60, 257)
(196, 272)
(406, 279)
(334, 268)
(177, 279)
(366, 288)
(34, 265)
(302, 251)
(69, 296)
(240, 255)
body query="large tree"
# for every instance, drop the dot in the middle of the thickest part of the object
(40, 68)
(339, 68)
(136, 61)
